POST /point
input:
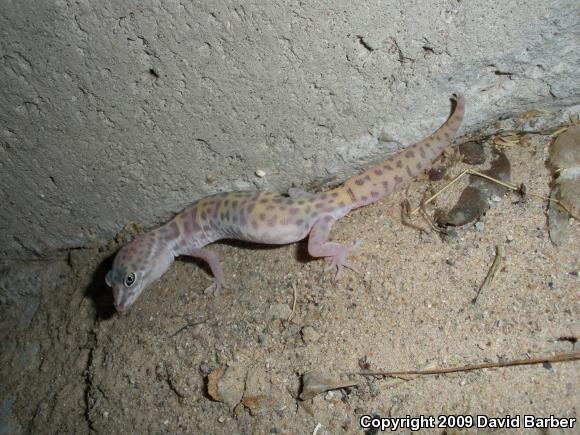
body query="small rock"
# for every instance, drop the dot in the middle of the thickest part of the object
(260, 173)
(309, 335)
(479, 226)
(496, 198)
(330, 396)
(279, 311)
(509, 238)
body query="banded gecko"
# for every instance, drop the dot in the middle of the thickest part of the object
(265, 217)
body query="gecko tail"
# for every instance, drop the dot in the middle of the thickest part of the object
(392, 174)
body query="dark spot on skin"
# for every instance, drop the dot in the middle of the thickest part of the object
(409, 173)
(278, 200)
(263, 200)
(368, 177)
(226, 202)
(351, 194)
(282, 207)
(446, 135)
(364, 198)
(306, 226)
(329, 209)
(410, 154)
(341, 204)
(323, 196)
(390, 159)
(270, 207)
(437, 138)
(290, 202)
(243, 221)
(399, 163)
(374, 194)
(272, 220)
(428, 144)
(388, 167)
(299, 222)
(422, 153)
(235, 219)
(359, 181)
(294, 210)
(254, 223)
(419, 166)
(334, 194)
(301, 202)
(398, 179)
(328, 218)
(386, 185)
(378, 172)
(262, 216)
(250, 207)
(203, 216)
(318, 205)
(227, 215)
(307, 209)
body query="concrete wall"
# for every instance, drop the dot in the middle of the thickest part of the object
(118, 111)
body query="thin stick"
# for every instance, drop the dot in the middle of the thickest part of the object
(428, 200)
(562, 357)
(293, 303)
(493, 270)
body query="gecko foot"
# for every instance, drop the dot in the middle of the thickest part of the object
(339, 260)
(215, 286)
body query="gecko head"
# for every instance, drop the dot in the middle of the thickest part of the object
(135, 267)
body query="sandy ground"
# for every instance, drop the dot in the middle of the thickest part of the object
(71, 365)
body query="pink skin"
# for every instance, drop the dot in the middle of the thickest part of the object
(265, 217)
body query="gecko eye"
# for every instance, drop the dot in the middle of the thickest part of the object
(108, 278)
(130, 279)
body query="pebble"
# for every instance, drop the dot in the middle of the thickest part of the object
(330, 396)
(479, 226)
(309, 335)
(260, 173)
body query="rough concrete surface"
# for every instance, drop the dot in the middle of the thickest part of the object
(119, 111)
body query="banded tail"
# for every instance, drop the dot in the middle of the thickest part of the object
(391, 174)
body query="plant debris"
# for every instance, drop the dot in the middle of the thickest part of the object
(314, 383)
(474, 200)
(565, 195)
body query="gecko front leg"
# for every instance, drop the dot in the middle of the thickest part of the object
(335, 253)
(214, 264)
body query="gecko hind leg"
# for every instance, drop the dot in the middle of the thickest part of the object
(214, 264)
(335, 253)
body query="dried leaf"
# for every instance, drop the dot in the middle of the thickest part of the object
(314, 383)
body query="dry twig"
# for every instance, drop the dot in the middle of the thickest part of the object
(562, 357)
(493, 270)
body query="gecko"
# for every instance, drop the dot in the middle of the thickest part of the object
(270, 218)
